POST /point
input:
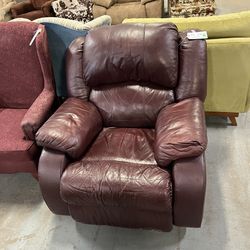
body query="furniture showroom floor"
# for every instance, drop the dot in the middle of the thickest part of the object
(26, 223)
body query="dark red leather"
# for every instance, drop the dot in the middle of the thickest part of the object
(113, 102)
(180, 131)
(71, 128)
(122, 217)
(150, 57)
(76, 86)
(51, 166)
(192, 80)
(120, 162)
(132, 73)
(189, 186)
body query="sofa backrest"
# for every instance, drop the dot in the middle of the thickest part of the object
(130, 72)
(21, 77)
(222, 26)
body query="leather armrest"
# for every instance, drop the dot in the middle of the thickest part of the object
(71, 128)
(21, 8)
(189, 187)
(47, 9)
(180, 131)
(37, 113)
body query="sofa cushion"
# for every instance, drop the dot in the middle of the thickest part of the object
(119, 170)
(16, 153)
(80, 10)
(104, 3)
(114, 56)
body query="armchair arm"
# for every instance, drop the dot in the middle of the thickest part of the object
(21, 8)
(105, 3)
(189, 186)
(180, 131)
(37, 113)
(47, 9)
(71, 128)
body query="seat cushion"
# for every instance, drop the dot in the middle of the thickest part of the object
(119, 170)
(16, 153)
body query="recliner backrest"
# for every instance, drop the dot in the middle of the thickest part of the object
(131, 71)
(21, 76)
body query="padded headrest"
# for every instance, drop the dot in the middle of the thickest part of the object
(132, 53)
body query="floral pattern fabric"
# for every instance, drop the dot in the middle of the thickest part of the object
(191, 8)
(80, 10)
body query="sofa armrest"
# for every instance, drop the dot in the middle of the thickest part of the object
(105, 3)
(146, 1)
(37, 113)
(6, 8)
(71, 128)
(180, 131)
(21, 8)
(47, 8)
(189, 186)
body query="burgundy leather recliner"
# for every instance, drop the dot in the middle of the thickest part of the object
(26, 94)
(127, 147)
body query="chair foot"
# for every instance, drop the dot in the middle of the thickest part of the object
(233, 120)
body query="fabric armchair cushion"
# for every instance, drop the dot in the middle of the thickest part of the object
(72, 128)
(180, 131)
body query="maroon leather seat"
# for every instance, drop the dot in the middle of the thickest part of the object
(26, 95)
(126, 148)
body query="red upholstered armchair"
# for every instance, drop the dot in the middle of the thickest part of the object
(127, 148)
(26, 94)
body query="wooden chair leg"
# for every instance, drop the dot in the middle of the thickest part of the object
(233, 120)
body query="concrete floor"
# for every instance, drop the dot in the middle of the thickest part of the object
(229, 6)
(26, 223)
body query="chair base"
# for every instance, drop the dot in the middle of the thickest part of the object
(230, 115)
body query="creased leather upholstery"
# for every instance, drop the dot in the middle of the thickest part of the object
(189, 184)
(120, 162)
(192, 80)
(132, 173)
(71, 128)
(127, 60)
(113, 101)
(74, 71)
(180, 131)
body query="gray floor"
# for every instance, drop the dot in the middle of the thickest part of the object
(228, 6)
(26, 223)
